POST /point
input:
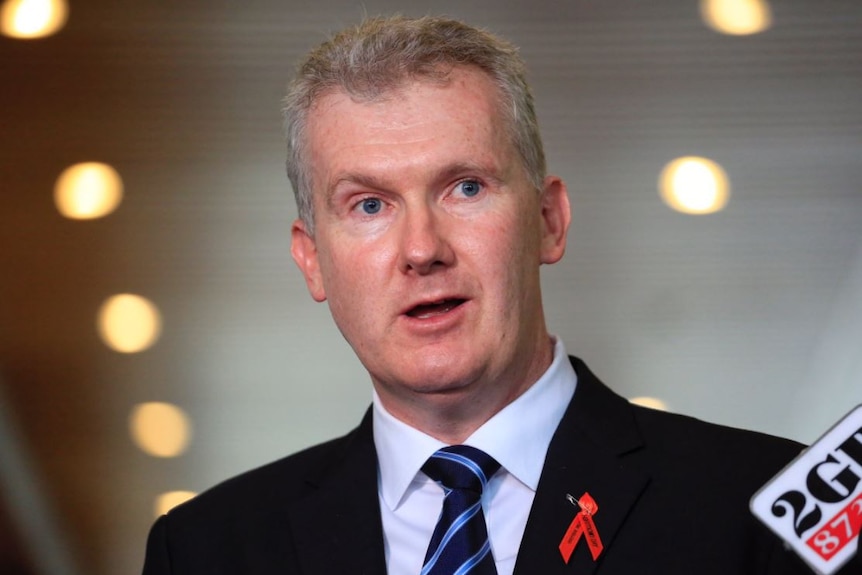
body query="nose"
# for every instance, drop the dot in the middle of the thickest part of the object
(424, 244)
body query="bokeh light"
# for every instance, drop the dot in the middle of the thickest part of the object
(160, 429)
(88, 190)
(651, 402)
(694, 185)
(129, 323)
(29, 19)
(167, 501)
(736, 17)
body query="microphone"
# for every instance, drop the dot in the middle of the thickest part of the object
(815, 503)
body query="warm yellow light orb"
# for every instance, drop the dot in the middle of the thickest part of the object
(651, 402)
(129, 323)
(28, 19)
(736, 17)
(88, 190)
(694, 185)
(167, 501)
(160, 429)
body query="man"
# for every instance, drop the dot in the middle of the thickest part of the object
(425, 215)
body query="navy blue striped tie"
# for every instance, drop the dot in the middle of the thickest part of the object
(460, 544)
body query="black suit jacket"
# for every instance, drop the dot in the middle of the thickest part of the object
(672, 493)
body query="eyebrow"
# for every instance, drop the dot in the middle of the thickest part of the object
(488, 171)
(352, 178)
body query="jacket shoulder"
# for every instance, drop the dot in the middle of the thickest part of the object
(274, 485)
(750, 457)
(249, 523)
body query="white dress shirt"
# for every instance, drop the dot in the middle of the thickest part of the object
(517, 437)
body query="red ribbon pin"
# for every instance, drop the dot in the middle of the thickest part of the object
(582, 525)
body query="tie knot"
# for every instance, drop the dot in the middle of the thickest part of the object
(461, 467)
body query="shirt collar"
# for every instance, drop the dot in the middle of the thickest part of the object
(517, 436)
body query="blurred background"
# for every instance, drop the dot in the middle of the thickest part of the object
(155, 337)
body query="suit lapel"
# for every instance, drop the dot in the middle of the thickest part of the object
(337, 528)
(585, 455)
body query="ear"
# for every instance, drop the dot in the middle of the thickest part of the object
(556, 216)
(304, 252)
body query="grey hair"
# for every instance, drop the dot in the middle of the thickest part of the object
(379, 55)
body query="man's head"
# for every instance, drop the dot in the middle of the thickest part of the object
(379, 55)
(429, 233)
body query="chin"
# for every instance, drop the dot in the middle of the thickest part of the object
(445, 378)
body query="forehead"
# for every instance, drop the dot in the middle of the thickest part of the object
(460, 77)
(418, 123)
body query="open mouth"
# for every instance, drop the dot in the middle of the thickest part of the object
(426, 310)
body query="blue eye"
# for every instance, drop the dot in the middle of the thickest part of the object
(470, 188)
(371, 206)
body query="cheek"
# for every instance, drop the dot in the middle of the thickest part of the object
(515, 236)
(353, 303)
(516, 255)
(499, 251)
(354, 279)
